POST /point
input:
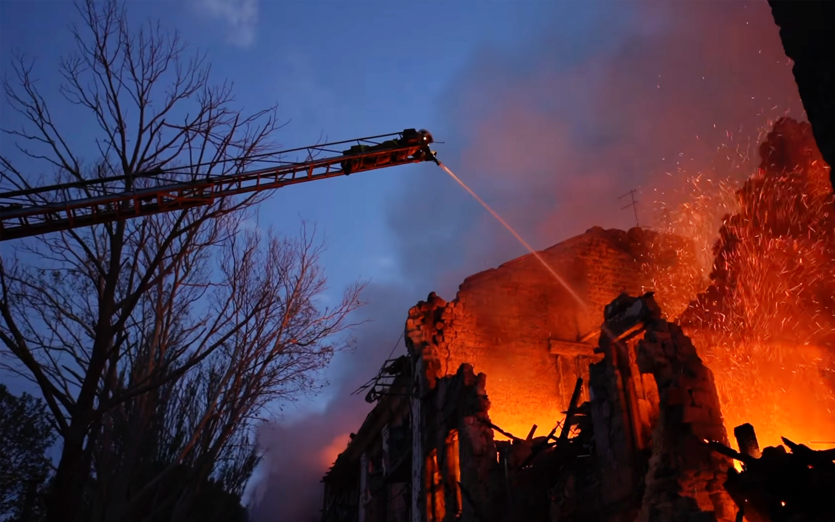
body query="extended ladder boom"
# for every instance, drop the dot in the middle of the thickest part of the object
(22, 214)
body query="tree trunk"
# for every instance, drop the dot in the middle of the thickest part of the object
(64, 501)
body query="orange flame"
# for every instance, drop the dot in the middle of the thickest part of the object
(329, 453)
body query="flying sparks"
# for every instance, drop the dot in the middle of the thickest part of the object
(766, 323)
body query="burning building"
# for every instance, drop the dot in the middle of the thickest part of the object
(615, 455)
(507, 322)
(514, 320)
(600, 406)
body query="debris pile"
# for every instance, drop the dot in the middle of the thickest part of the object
(552, 477)
(780, 486)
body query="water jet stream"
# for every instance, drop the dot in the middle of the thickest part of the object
(524, 243)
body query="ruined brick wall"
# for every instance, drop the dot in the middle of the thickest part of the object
(456, 409)
(518, 325)
(622, 464)
(684, 474)
(654, 404)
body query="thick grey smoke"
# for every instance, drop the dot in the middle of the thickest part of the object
(551, 135)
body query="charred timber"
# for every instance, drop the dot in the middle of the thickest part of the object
(780, 486)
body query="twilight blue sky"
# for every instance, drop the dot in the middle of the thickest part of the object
(340, 70)
(549, 109)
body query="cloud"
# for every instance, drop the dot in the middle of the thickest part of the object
(550, 135)
(239, 16)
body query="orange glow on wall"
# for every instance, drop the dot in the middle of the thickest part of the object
(454, 468)
(435, 505)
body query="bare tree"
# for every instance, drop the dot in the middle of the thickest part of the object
(164, 445)
(117, 322)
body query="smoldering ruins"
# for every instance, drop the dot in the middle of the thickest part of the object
(518, 402)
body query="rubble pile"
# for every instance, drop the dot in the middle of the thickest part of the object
(553, 477)
(780, 486)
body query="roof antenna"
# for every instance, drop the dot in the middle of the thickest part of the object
(633, 204)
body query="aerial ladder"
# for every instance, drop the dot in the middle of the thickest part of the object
(40, 210)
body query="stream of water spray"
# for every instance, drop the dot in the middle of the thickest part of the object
(524, 243)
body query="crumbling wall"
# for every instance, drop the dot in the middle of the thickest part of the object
(624, 410)
(455, 416)
(426, 338)
(684, 475)
(518, 325)
(621, 467)
(654, 405)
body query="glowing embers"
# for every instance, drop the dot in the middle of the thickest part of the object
(766, 323)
